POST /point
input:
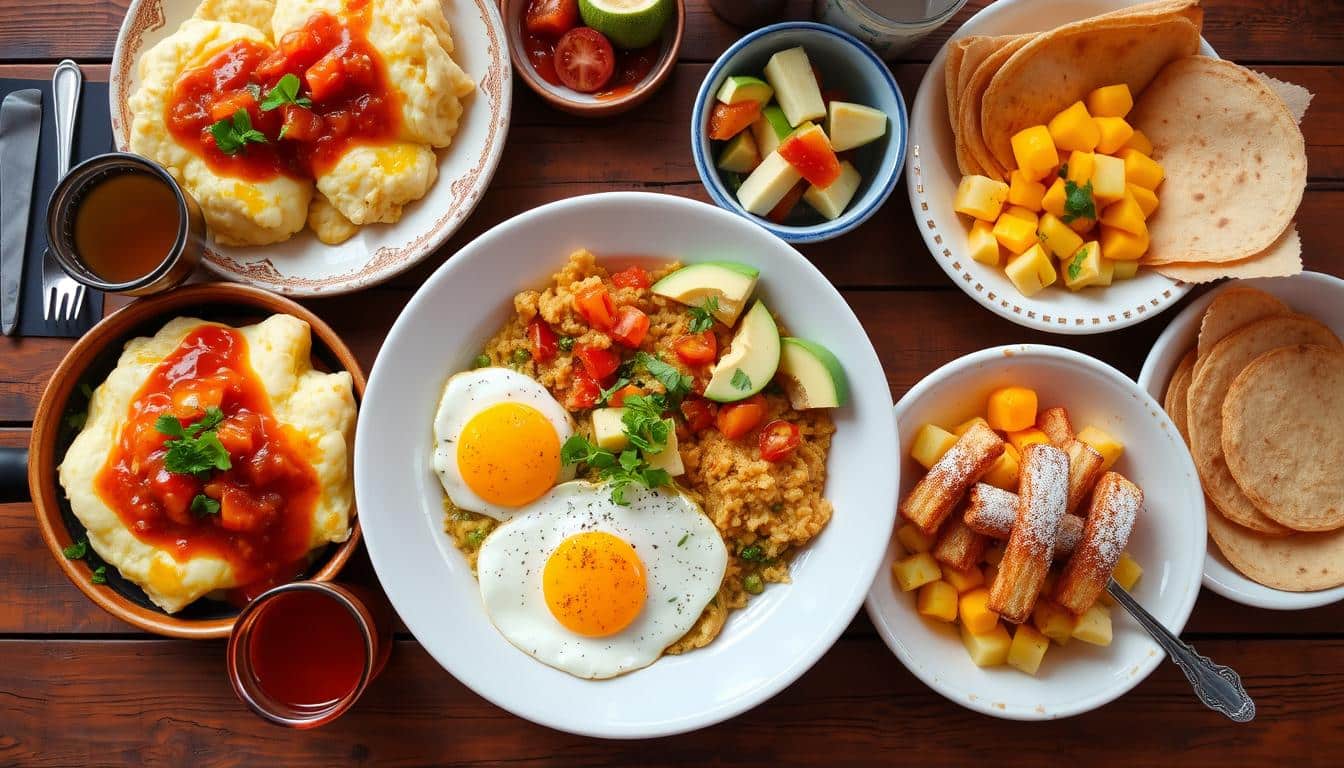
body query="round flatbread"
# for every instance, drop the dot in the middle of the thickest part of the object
(1283, 435)
(1233, 308)
(1303, 562)
(1177, 390)
(1209, 388)
(970, 131)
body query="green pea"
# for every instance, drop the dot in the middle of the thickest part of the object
(481, 361)
(475, 538)
(753, 584)
(566, 343)
(521, 356)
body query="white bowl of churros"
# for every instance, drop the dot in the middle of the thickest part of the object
(1034, 475)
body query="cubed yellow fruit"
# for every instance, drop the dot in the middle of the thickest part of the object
(1073, 129)
(931, 442)
(913, 539)
(1124, 270)
(982, 245)
(980, 196)
(1057, 237)
(989, 649)
(1025, 192)
(1031, 271)
(1110, 101)
(1125, 214)
(1053, 200)
(1021, 212)
(1119, 245)
(1005, 470)
(1106, 275)
(1035, 152)
(1054, 621)
(1028, 649)
(1083, 268)
(937, 600)
(1146, 198)
(1110, 449)
(1094, 626)
(975, 614)
(1011, 408)
(994, 555)
(1140, 142)
(1141, 169)
(967, 424)
(1021, 438)
(1114, 133)
(1015, 234)
(915, 571)
(1080, 166)
(1127, 571)
(964, 580)
(1108, 179)
(1082, 225)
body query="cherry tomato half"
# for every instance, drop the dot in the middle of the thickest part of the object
(551, 18)
(778, 439)
(543, 340)
(583, 393)
(596, 307)
(728, 120)
(598, 363)
(698, 412)
(584, 59)
(630, 327)
(696, 348)
(737, 419)
(634, 277)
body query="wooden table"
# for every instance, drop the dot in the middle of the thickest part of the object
(77, 687)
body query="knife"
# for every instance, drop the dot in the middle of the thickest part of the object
(20, 128)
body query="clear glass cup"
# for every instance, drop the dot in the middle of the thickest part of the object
(889, 27)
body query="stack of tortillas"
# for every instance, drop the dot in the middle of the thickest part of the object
(1260, 400)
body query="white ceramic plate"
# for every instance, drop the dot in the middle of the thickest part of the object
(303, 265)
(1168, 538)
(931, 176)
(1312, 293)
(764, 647)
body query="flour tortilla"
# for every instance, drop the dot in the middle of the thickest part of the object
(956, 53)
(1177, 391)
(964, 58)
(969, 109)
(1303, 562)
(1233, 308)
(1282, 259)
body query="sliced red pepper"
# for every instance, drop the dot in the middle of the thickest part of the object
(780, 213)
(598, 363)
(698, 412)
(778, 439)
(737, 419)
(596, 307)
(634, 277)
(728, 120)
(810, 153)
(617, 398)
(543, 340)
(583, 393)
(630, 327)
(696, 348)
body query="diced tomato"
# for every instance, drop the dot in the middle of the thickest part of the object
(543, 340)
(326, 78)
(584, 59)
(599, 364)
(236, 437)
(778, 439)
(696, 348)
(737, 419)
(596, 307)
(631, 326)
(583, 393)
(780, 213)
(811, 154)
(301, 124)
(551, 18)
(272, 67)
(617, 398)
(698, 412)
(634, 277)
(174, 492)
(308, 43)
(226, 104)
(728, 120)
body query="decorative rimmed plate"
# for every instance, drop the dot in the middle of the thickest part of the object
(931, 176)
(764, 647)
(304, 266)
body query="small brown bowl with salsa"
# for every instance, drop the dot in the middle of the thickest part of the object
(57, 423)
(576, 68)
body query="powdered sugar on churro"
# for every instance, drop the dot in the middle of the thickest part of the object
(1045, 492)
(1109, 524)
(995, 510)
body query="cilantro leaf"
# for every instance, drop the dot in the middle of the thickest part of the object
(740, 381)
(195, 449)
(702, 317)
(76, 551)
(203, 505)
(1078, 202)
(286, 91)
(644, 423)
(233, 136)
(99, 575)
(170, 425)
(683, 540)
(606, 394)
(1076, 265)
(620, 471)
(677, 384)
(752, 554)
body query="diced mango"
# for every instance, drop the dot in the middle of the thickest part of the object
(1141, 169)
(1035, 152)
(1015, 234)
(931, 442)
(1124, 270)
(1094, 626)
(964, 580)
(1011, 408)
(1127, 571)
(1021, 438)
(1080, 167)
(1028, 649)
(1057, 237)
(1026, 214)
(989, 649)
(982, 245)
(1110, 101)
(1108, 179)
(1032, 271)
(1146, 198)
(1110, 449)
(1119, 245)
(1025, 192)
(1005, 470)
(967, 424)
(975, 614)
(1125, 214)
(1140, 142)
(1106, 275)
(1083, 268)
(1053, 199)
(1073, 129)
(1114, 133)
(980, 196)
(937, 600)
(994, 555)
(1054, 621)
(913, 539)
(915, 571)
(1082, 225)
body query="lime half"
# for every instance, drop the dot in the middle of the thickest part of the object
(627, 23)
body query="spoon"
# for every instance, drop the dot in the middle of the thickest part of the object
(1217, 686)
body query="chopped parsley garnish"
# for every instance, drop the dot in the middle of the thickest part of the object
(740, 381)
(684, 538)
(702, 317)
(196, 449)
(76, 551)
(474, 538)
(1078, 202)
(566, 343)
(99, 575)
(752, 553)
(203, 505)
(644, 423)
(620, 470)
(677, 384)
(606, 394)
(1076, 265)
(286, 91)
(233, 136)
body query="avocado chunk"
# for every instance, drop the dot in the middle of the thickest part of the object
(729, 282)
(739, 88)
(853, 125)
(811, 375)
(740, 155)
(789, 72)
(751, 360)
(770, 128)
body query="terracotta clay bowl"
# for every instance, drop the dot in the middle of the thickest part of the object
(89, 361)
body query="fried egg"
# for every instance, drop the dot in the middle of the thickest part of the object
(597, 589)
(497, 441)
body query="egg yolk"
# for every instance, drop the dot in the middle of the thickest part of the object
(509, 454)
(594, 584)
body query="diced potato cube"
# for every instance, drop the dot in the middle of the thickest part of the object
(1021, 438)
(1109, 448)
(982, 245)
(1053, 200)
(1108, 179)
(1140, 142)
(1080, 167)
(1094, 626)
(1057, 237)
(1146, 198)
(1124, 270)
(1073, 129)
(1011, 408)
(975, 613)
(994, 555)
(1125, 214)
(1028, 649)
(915, 571)
(1015, 234)
(1083, 268)
(1026, 214)
(980, 196)
(913, 539)
(1032, 271)
(1110, 101)
(964, 580)
(990, 648)
(967, 424)
(1004, 472)
(1106, 275)
(937, 600)
(1119, 245)
(1141, 169)
(1025, 192)
(1054, 621)
(1035, 152)
(931, 442)
(1114, 133)
(1127, 571)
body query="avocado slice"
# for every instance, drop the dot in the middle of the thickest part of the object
(811, 375)
(740, 88)
(740, 155)
(751, 360)
(775, 117)
(729, 282)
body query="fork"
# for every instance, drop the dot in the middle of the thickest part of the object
(62, 296)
